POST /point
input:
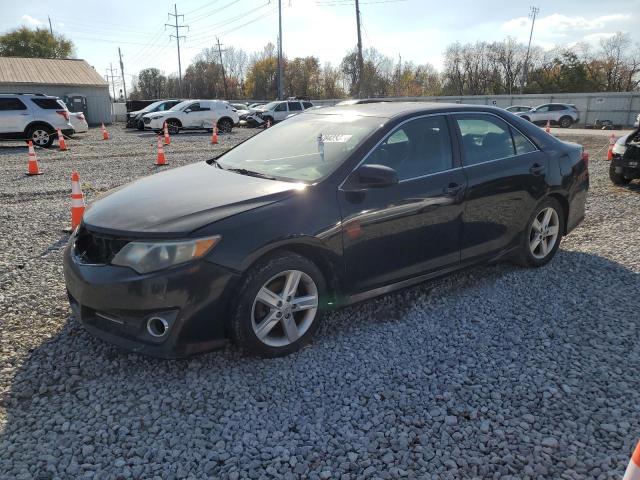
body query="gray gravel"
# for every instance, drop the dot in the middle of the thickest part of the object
(496, 372)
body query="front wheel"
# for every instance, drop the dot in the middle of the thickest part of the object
(542, 234)
(279, 306)
(617, 178)
(41, 136)
(140, 125)
(173, 127)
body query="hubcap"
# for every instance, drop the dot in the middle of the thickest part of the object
(284, 308)
(40, 137)
(544, 233)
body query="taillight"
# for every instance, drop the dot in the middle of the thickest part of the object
(64, 113)
(585, 158)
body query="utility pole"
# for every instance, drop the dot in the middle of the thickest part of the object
(50, 27)
(360, 61)
(224, 77)
(525, 73)
(280, 60)
(178, 36)
(124, 84)
(111, 76)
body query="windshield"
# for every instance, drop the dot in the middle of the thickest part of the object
(268, 106)
(305, 148)
(150, 107)
(181, 105)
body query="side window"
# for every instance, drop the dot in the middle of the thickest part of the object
(194, 107)
(204, 107)
(282, 107)
(417, 148)
(543, 108)
(523, 144)
(484, 138)
(307, 105)
(12, 104)
(294, 106)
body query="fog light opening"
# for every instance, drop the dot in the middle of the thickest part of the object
(157, 327)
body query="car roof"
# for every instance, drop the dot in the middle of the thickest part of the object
(395, 109)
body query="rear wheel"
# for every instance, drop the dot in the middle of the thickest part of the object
(225, 125)
(542, 235)
(41, 135)
(565, 122)
(278, 309)
(617, 178)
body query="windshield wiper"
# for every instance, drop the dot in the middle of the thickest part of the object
(215, 162)
(251, 173)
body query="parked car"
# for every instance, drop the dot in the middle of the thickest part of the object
(637, 122)
(561, 114)
(242, 110)
(134, 119)
(625, 165)
(193, 115)
(518, 108)
(332, 207)
(78, 122)
(279, 110)
(33, 116)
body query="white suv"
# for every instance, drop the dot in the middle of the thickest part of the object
(33, 116)
(279, 110)
(193, 115)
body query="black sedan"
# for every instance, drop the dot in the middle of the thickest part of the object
(331, 207)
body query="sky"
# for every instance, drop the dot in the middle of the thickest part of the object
(418, 30)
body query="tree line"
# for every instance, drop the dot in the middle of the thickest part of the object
(481, 68)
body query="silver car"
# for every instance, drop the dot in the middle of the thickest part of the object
(561, 114)
(637, 122)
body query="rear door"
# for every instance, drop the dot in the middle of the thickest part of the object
(294, 107)
(506, 178)
(14, 115)
(412, 227)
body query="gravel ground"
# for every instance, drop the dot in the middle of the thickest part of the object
(494, 372)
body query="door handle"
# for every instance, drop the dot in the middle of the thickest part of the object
(453, 189)
(25, 114)
(537, 169)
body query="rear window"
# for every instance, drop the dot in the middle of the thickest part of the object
(48, 103)
(11, 104)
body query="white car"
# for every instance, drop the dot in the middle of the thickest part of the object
(78, 122)
(637, 122)
(279, 110)
(193, 115)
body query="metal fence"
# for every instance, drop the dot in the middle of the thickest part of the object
(619, 108)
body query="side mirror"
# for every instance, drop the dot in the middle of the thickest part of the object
(188, 110)
(373, 176)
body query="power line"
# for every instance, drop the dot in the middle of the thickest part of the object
(241, 16)
(178, 36)
(224, 77)
(214, 11)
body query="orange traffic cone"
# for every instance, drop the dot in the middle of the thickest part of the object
(61, 144)
(33, 161)
(548, 127)
(77, 201)
(167, 139)
(214, 135)
(633, 469)
(160, 161)
(105, 134)
(612, 142)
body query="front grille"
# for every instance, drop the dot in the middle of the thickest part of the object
(96, 248)
(147, 120)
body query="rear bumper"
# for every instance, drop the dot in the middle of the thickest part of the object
(629, 168)
(68, 132)
(115, 303)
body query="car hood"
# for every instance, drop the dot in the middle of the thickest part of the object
(161, 114)
(179, 201)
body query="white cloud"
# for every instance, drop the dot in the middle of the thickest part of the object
(28, 19)
(559, 25)
(61, 25)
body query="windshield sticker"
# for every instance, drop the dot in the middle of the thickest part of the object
(334, 138)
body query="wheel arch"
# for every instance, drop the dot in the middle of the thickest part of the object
(564, 203)
(36, 123)
(174, 119)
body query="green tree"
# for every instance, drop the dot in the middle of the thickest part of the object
(38, 43)
(152, 83)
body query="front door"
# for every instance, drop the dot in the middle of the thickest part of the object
(280, 112)
(506, 178)
(412, 227)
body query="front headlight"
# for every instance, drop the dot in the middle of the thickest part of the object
(619, 147)
(145, 257)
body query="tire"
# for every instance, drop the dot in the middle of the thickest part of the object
(253, 313)
(140, 125)
(617, 178)
(268, 119)
(530, 256)
(173, 126)
(225, 125)
(565, 122)
(41, 135)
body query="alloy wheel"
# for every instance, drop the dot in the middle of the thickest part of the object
(284, 308)
(40, 137)
(544, 233)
